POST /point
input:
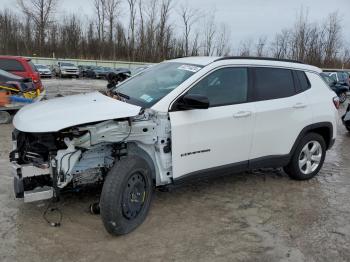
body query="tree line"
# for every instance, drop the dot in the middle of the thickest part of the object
(149, 34)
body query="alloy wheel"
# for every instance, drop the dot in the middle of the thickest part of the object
(310, 157)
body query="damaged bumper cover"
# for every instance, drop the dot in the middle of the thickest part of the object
(22, 175)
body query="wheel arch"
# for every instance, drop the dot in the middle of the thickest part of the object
(325, 129)
(134, 149)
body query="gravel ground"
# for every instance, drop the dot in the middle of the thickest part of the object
(256, 216)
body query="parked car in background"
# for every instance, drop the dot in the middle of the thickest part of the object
(117, 76)
(17, 82)
(65, 69)
(22, 67)
(122, 70)
(15, 92)
(339, 89)
(340, 76)
(43, 70)
(83, 70)
(96, 72)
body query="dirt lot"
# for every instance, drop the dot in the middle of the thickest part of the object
(259, 216)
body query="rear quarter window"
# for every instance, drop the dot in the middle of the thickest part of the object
(32, 66)
(301, 81)
(273, 83)
(11, 65)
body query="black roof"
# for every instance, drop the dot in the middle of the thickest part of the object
(259, 58)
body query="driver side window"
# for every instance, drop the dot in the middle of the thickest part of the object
(225, 86)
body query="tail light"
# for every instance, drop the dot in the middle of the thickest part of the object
(34, 77)
(36, 80)
(336, 102)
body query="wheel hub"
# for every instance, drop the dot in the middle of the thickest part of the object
(134, 196)
(310, 157)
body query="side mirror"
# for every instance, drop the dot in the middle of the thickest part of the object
(192, 101)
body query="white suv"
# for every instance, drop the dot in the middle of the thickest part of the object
(180, 119)
(62, 69)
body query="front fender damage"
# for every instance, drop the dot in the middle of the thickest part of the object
(82, 155)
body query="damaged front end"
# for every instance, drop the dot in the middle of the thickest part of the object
(44, 164)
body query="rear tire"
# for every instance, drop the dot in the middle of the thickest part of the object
(308, 157)
(126, 195)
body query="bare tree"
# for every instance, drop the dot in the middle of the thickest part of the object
(100, 10)
(222, 42)
(245, 48)
(111, 13)
(300, 36)
(280, 46)
(332, 43)
(151, 27)
(164, 29)
(209, 36)
(41, 12)
(151, 36)
(195, 45)
(71, 34)
(141, 33)
(189, 17)
(132, 21)
(260, 46)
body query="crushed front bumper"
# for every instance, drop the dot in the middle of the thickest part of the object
(23, 176)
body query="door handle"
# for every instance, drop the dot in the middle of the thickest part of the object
(242, 114)
(299, 105)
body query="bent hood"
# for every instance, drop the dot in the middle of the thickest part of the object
(59, 113)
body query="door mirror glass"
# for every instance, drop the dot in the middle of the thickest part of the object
(192, 101)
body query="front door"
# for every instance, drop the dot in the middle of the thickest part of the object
(217, 137)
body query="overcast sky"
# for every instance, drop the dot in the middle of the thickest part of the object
(246, 19)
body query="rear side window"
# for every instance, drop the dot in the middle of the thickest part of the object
(32, 66)
(11, 65)
(303, 82)
(273, 83)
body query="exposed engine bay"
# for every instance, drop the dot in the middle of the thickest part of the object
(46, 163)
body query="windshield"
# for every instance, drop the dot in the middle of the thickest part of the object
(40, 66)
(149, 86)
(343, 76)
(67, 64)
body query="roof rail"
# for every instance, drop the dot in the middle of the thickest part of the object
(258, 58)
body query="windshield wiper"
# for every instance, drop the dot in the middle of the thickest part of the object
(123, 95)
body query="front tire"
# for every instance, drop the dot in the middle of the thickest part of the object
(308, 157)
(126, 195)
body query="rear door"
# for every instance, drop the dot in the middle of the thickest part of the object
(219, 137)
(281, 112)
